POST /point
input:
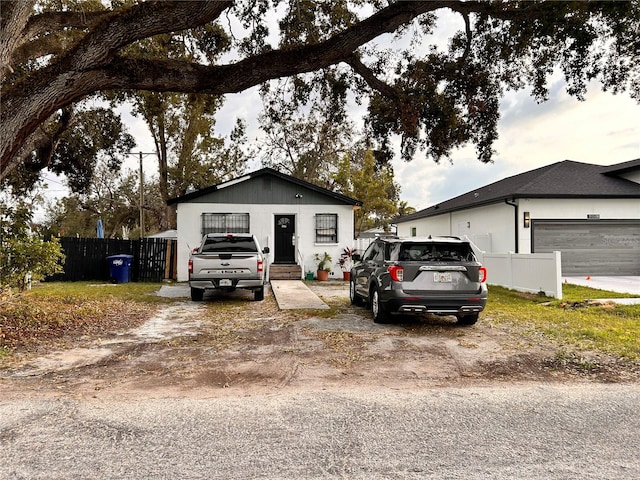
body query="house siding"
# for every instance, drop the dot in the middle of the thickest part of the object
(264, 190)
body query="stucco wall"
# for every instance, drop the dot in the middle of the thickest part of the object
(261, 221)
(490, 227)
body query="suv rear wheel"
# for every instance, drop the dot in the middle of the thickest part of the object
(353, 296)
(467, 319)
(377, 308)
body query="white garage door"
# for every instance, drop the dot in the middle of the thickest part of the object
(591, 248)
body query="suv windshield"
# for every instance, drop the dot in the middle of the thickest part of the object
(434, 252)
(229, 244)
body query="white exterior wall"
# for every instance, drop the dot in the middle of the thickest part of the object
(261, 224)
(490, 227)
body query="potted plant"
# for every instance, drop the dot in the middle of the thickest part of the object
(346, 262)
(308, 275)
(323, 261)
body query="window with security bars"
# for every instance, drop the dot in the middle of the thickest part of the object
(225, 223)
(326, 228)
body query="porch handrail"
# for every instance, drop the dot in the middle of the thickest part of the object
(299, 254)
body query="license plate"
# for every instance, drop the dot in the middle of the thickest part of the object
(442, 277)
(225, 282)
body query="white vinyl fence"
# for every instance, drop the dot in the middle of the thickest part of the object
(361, 244)
(532, 273)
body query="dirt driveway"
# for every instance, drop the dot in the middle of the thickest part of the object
(231, 345)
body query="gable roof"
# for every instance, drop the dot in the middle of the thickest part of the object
(566, 179)
(264, 173)
(620, 168)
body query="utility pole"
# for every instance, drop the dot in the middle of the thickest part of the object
(141, 155)
(141, 199)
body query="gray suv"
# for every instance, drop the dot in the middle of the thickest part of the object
(438, 275)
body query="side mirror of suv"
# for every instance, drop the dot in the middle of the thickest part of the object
(265, 250)
(356, 257)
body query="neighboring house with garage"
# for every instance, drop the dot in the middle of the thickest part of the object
(294, 218)
(590, 213)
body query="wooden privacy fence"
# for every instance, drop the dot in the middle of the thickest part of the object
(154, 259)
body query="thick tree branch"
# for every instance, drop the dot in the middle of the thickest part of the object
(374, 82)
(469, 35)
(31, 101)
(140, 74)
(138, 22)
(94, 64)
(13, 18)
(52, 21)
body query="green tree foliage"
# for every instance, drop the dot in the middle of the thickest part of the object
(23, 253)
(54, 54)
(205, 160)
(405, 209)
(190, 155)
(113, 198)
(305, 141)
(72, 143)
(362, 178)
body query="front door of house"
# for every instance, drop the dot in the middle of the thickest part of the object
(284, 239)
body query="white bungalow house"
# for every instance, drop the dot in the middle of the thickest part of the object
(294, 218)
(590, 213)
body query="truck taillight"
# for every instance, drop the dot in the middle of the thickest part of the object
(260, 265)
(396, 272)
(190, 267)
(483, 274)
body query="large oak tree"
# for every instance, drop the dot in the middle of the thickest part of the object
(435, 98)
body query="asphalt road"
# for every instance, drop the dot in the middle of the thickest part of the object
(533, 431)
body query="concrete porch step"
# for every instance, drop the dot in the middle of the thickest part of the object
(285, 272)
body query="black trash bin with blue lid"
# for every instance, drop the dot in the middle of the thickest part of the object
(120, 268)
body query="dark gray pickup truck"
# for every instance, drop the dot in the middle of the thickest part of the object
(227, 261)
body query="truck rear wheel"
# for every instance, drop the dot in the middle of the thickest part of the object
(258, 294)
(197, 294)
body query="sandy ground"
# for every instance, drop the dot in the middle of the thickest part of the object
(231, 345)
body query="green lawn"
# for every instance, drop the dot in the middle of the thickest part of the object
(575, 321)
